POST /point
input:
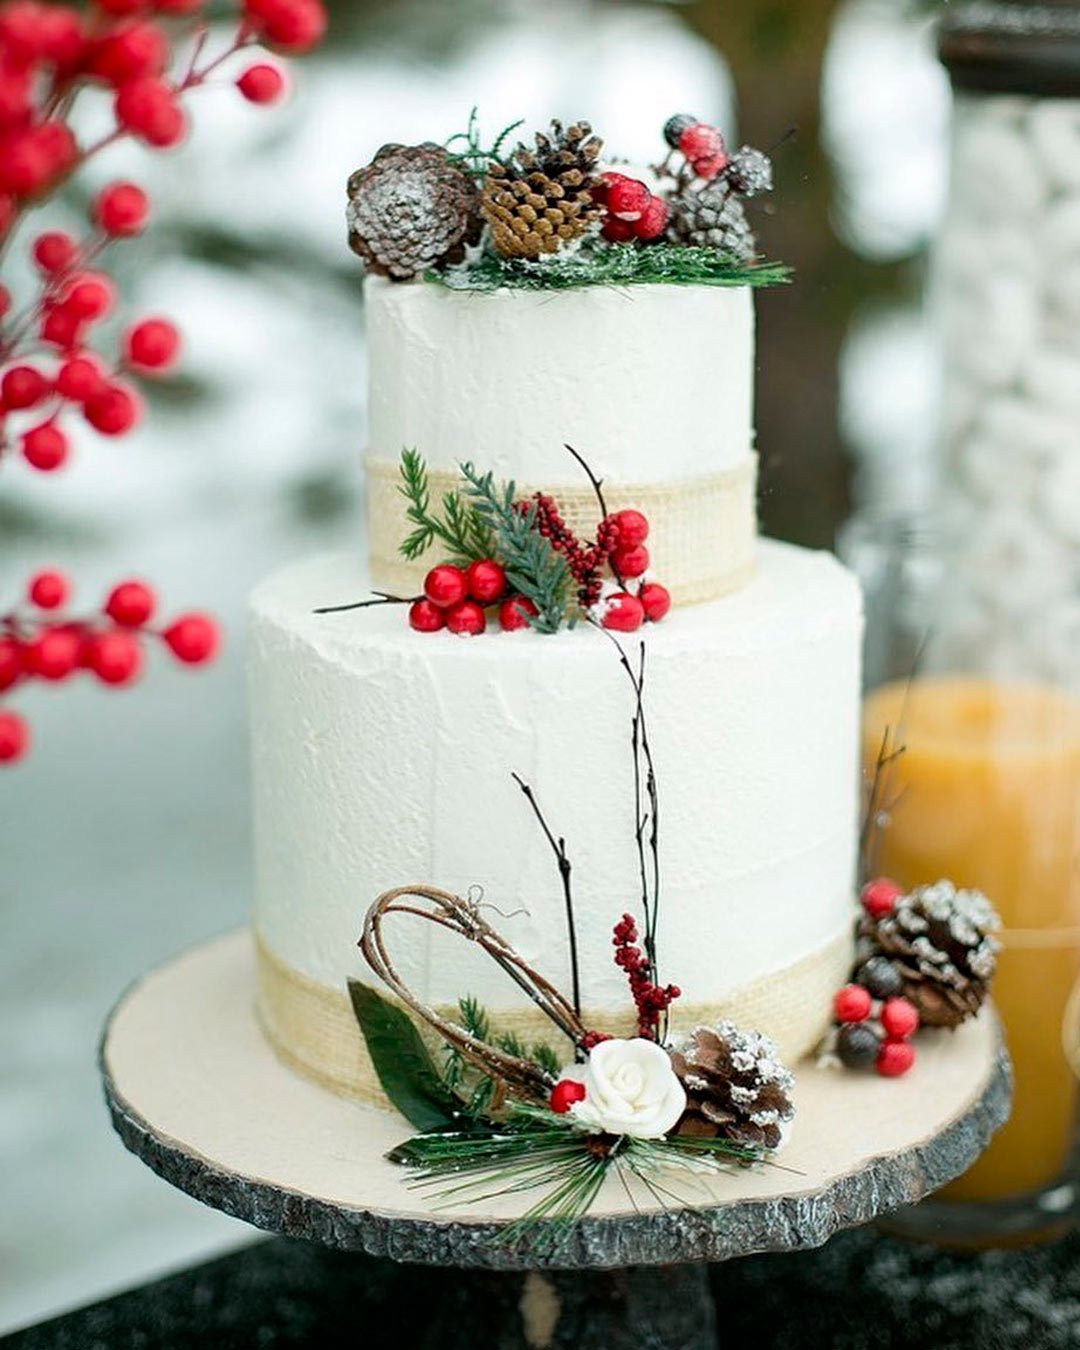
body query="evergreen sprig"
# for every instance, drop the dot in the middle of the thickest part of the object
(475, 1090)
(468, 150)
(613, 265)
(459, 527)
(533, 567)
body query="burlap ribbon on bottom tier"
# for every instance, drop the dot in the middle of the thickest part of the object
(701, 538)
(312, 1028)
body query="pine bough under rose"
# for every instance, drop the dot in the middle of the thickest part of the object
(149, 56)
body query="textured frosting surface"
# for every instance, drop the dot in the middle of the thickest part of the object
(383, 757)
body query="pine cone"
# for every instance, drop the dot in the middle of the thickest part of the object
(749, 172)
(940, 940)
(712, 218)
(736, 1087)
(411, 208)
(538, 200)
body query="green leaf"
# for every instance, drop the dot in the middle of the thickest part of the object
(405, 1069)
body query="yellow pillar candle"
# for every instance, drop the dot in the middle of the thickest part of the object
(987, 793)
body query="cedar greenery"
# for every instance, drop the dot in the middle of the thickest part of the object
(460, 527)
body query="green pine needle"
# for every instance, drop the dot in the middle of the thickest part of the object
(460, 529)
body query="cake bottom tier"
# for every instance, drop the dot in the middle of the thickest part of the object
(383, 757)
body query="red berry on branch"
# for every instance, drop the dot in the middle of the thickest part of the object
(653, 220)
(515, 613)
(22, 31)
(631, 562)
(14, 737)
(12, 667)
(148, 107)
(700, 140)
(852, 1004)
(293, 26)
(54, 654)
(446, 585)
(895, 1058)
(178, 7)
(45, 447)
(617, 231)
(633, 528)
(879, 897)
(627, 198)
(262, 84)
(135, 52)
(48, 590)
(23, 387)
(55, 251)
(5, 294)
(113, 410)
(152, 345)
(121, 9)
(61, 36)
(708, 166)
(487, 580)
(655, 601)
(61, 328)
(193, 638)
(564, 1094)
(79, 378)
(90, 296)
(121, 210)
(425, 617)
(623, 613)
(114, 656)
(16, 88)
(467, 618)
(131, 604)
(899, 1018)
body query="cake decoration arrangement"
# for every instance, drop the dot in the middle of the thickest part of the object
(559, 213)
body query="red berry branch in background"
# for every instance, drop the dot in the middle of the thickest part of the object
(651, 1000)
(148, 56)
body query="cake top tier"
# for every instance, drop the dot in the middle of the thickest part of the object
(557, 212)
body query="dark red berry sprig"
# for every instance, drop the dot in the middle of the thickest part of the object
(650, 999)
(585, 560)
(40, 642)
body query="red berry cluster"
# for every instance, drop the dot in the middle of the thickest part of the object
(650, 999)
(41, 642)
(456, 599)
(566, 1093)
(700, 143)
(632, 212)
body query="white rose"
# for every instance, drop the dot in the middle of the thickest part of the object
(630, 1088)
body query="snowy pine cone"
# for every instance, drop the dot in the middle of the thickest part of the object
(736, 1087)
(712, 218)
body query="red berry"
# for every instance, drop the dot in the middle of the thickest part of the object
(293, 26)
(425, 617)
(149, 109)
(653, 220)
(487, 581)
(699, 141)
(852, 1004)
(895, 1058)
(617, 231)
(54, 654)
(899, 1018)
(132, 53)
(14, 737)
(55, 251)
(623, 612)
(564, 1094)
(631, 562)
(131, 604)
(515, 612)
(12, 666)
(446, 585)
(48, 590)
(193, 638)
(632, 526)
(61, 37)
(61, 328)
(708, 166)
(175, 7)
(627, 198)
(21, 31)
(261, 84)
(89, 296)
(655, 600)
(152, 345)
(113, 410)
(79, 378)
(23, 387)
(121, 210)
(121, 8)
(114, 656)
(45, 447)
(5, 294)
(466, 618)
(879, 897)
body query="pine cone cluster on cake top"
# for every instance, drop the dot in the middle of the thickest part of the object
(413, 207)
(538, 200)
(736, 1087)
(940, 941)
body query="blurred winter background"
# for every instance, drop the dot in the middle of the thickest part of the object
(124, 837)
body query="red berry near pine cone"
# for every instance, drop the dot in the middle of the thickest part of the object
(617, 231)
(55, 653)
(149, 109)
(262, 84)
(113, 410)
(12, 667)
(633, 528)
(193, 639)
(515, 613)
(425, 617)
(486, 580)
(292, 26)
(48, 590)
(45, 448)
(152, 345)
(899, 1018)
(23, 387)
(627, 197)
(467, 619)
(121, 210)
(895, 1058)
(138, 51)
(14, 737)
(653, 220)
(89, 296)
(55, 251)
(655, 601)
(599, 191)
(700, 141)
(79, 378)
(61, 328)
(879, 897)
(115, 657)
(446, 585)
(131, 604)
(631, 562)
(852, 1004)
(564, 1095)
(623, 613)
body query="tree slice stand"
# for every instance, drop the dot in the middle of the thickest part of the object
(196, 1092)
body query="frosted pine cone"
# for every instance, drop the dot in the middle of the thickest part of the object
(736, 1087)
(749, 172)
(411, 208)
(712, 218)
(538, 200)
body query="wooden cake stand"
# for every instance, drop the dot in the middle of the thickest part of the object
(196, 1092)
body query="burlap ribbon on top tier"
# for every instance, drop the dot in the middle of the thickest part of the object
(701, 538)
(312, 1027)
